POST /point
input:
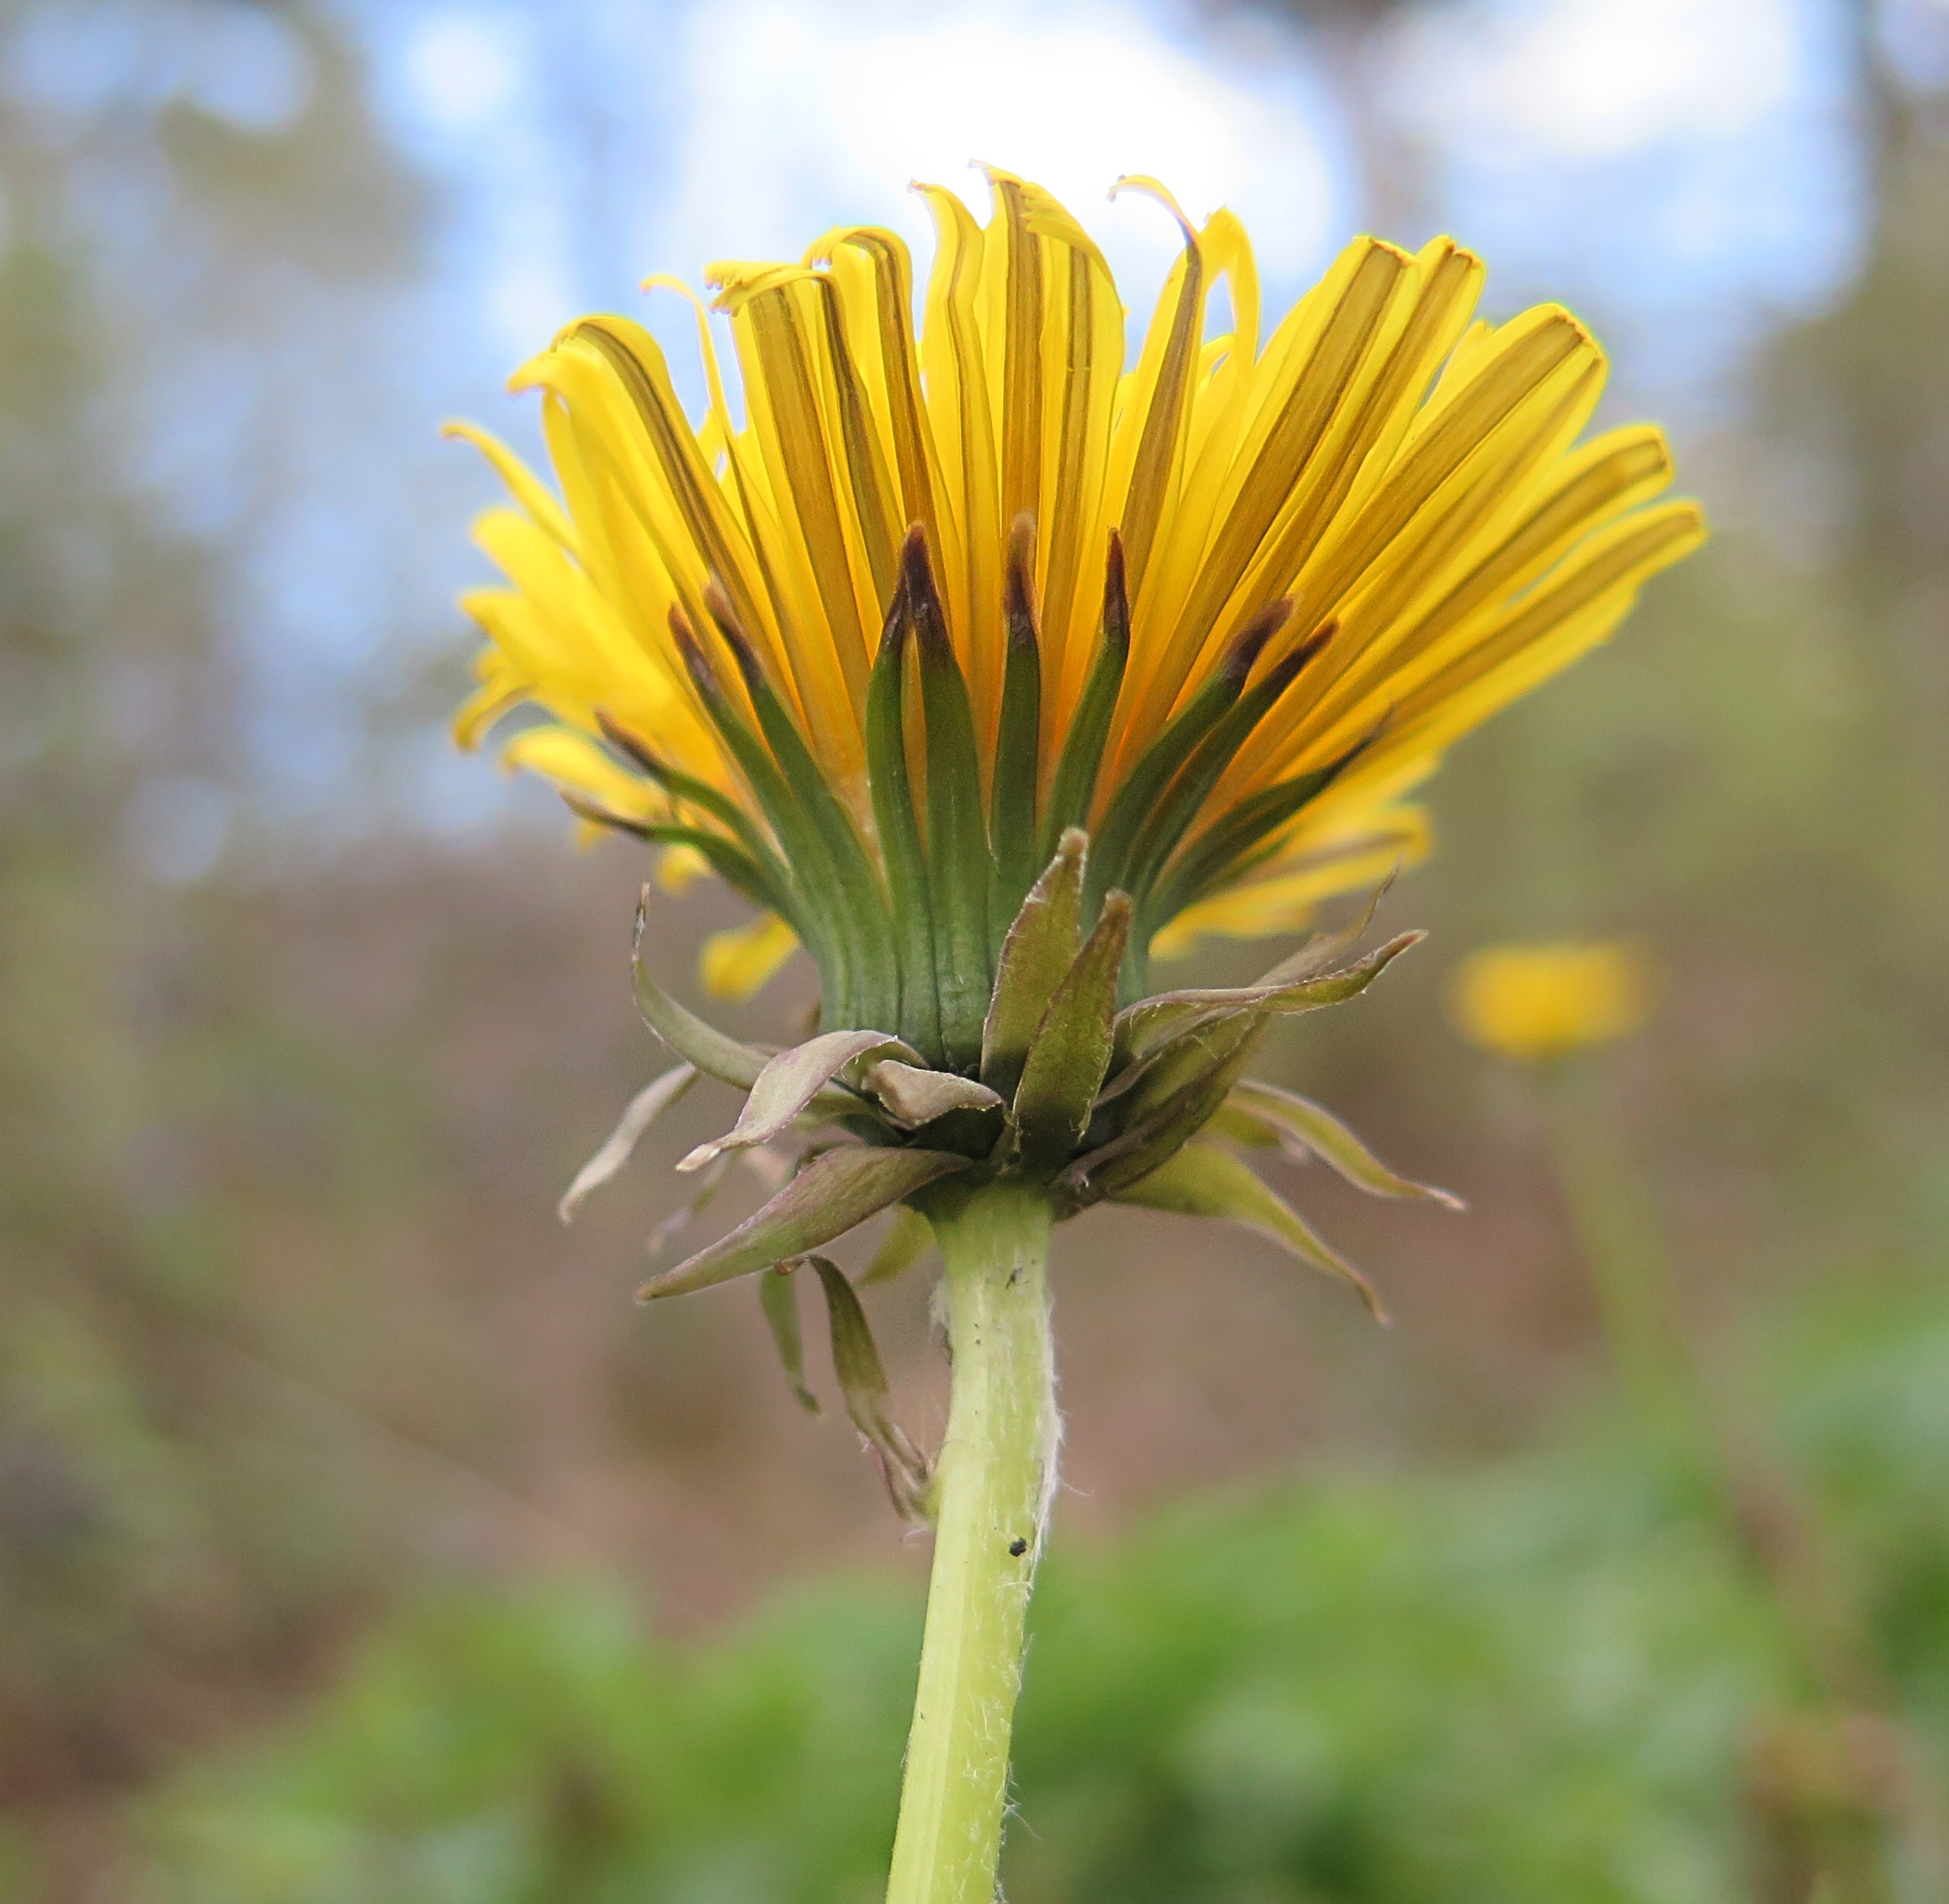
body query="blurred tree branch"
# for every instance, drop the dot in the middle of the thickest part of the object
(1352, 43)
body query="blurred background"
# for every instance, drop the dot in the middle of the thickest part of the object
(358, 1540)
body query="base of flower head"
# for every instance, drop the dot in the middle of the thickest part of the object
(1076, 1098)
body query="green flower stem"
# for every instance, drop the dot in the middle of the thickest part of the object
(991, 1500)
(1623, 1249)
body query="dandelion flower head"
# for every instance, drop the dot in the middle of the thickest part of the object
(947, 588)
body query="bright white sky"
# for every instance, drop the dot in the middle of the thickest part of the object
(847, 108)
(791, 115)
(1599, 79)
(796, 114)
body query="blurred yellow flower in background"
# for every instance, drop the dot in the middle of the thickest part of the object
(1533, 1002)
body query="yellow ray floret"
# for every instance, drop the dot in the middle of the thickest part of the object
(1395, 490)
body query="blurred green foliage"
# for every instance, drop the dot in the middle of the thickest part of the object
(1534, 1682)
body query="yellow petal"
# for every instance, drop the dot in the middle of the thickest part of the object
(572, 761)
(734, 964)
(678, 868)
(955, 364)
(522, 482)
(1286, 902)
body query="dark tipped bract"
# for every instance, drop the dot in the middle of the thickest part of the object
(1286, 670)
(893, 626)
(917, 582)
(632, 744)
(697, 662)
(1019, 597)
(1116, 625)
(735, 638)
(1242, 655)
